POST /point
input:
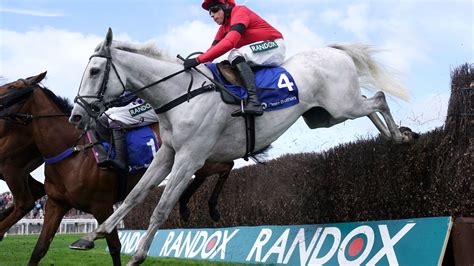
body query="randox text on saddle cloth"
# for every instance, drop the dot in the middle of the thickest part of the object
(394, 242)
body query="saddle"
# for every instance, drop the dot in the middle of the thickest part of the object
(228, 75)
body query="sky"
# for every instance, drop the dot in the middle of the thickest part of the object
(420, 41)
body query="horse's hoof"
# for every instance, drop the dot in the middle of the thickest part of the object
(215, 215)
(1, 237)
(185, 214)
(82, 244)
(408, 134)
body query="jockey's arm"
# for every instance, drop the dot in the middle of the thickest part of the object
(223, 46)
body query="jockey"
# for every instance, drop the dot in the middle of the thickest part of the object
(131, 112)
(249, 38)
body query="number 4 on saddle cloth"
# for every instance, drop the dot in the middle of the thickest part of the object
(141, 143)
(276, 87)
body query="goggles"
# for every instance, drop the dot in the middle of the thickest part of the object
(214, 9)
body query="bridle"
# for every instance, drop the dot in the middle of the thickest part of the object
(95, 108)
(18, 98)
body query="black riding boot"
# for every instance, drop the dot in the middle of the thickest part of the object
(120, 161)
(253, 105)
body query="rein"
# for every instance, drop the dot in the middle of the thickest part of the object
(26, 118)
(96, 108)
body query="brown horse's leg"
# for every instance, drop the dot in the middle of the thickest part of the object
(54, 212)
(187, 194)
(36, 188)
(223, 170)
(16, 179)
(37, 191)
(113, 241)
(4, 213)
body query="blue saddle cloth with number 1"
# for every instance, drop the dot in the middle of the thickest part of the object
(278, 91)
(142, 146)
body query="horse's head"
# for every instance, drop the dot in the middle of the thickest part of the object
(100, 84)
(14, 94)
(22, 83)
(13, 98)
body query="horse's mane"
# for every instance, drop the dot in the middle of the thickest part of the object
(148, 49)
(63, 103)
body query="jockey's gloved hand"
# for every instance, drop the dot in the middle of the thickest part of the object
(190, 62)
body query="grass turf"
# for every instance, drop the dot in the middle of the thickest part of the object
(16, 250)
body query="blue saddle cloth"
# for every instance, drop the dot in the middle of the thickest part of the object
(278, 91)
(142, 145)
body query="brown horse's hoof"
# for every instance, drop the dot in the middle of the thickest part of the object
(82, 244)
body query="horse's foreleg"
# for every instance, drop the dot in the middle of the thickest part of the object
(179, 179)
(223, 175)
(54, 212)
(156, 173)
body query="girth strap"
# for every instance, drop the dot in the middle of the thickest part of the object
(249, 135)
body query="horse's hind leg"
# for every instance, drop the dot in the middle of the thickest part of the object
(19, 183)
(396, 134)
(369, 107)
(54, 212)
(380, 125)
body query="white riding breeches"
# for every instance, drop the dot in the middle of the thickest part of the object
(134, 114)
(261, 53)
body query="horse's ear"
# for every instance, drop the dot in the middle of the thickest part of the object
(108, 38)
(36, 79)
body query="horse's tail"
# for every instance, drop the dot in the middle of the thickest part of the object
(372, 75)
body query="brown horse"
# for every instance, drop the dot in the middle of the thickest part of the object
(18, 157)
(77, 181)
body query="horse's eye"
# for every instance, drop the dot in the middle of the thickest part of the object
(94, 71)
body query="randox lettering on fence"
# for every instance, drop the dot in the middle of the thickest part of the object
(395, 242)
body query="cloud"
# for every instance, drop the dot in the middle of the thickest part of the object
(356, 21)
(29, 12)
(64, 54)
(191, 36)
